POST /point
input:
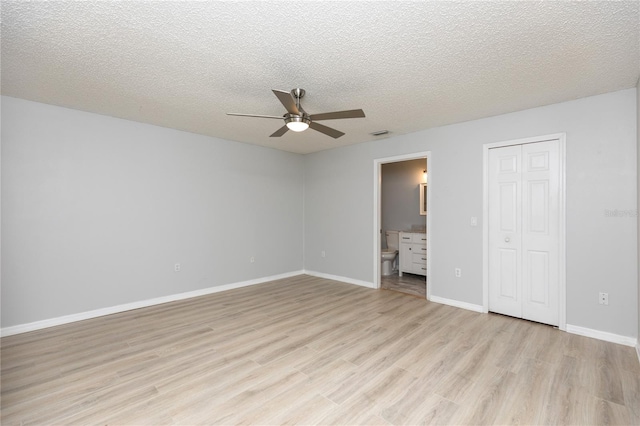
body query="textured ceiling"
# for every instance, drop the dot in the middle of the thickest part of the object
(409, 65)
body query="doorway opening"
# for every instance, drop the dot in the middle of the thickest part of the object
(402, 192)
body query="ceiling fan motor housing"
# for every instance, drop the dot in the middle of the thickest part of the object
(293, 118)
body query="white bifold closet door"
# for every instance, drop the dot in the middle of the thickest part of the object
(524, 231)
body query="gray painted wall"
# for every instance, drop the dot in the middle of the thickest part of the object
(97, 210)
(400, 200)
(601, 176)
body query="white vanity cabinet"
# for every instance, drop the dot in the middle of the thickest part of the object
(413, 253)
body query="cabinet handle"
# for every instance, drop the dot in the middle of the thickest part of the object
(424, 248)
(424, 258)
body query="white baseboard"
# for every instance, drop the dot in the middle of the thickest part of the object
(603, 335)
(457, 304)
(38, 325)
(638, 351)
(339, 278)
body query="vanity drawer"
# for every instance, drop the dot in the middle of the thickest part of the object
(405, 238)
(419, 258)
(419, 249)
(419, 238)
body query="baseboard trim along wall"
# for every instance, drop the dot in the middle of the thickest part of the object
(457, 304)
(603, 335)
(38, 325)
(339, 278)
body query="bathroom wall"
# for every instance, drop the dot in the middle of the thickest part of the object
(600, 177)
(97, 210)
(400, 200)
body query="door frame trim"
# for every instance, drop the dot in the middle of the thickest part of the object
(562, 261)
(377, 206)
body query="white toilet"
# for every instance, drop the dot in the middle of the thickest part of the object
(390, 254)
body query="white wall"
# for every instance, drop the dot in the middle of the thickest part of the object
(96, 211)
(400, 201)
(601, 175)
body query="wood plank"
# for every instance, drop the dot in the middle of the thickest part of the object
(306, 350)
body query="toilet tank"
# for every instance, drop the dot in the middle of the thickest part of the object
(392, 239)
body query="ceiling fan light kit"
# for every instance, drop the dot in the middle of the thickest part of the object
(297, 123)
(296, 119)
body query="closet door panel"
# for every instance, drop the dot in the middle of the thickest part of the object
(505, 214)
(540, 232)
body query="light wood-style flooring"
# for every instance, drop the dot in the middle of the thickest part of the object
(415, 285)
(306, 350)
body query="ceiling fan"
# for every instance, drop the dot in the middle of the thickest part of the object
(297, 119)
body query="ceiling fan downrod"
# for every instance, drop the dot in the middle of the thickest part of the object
(297, 95)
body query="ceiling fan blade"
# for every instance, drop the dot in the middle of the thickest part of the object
(352, 113)
(326, 130)
(254, 115)
(281, 131)
(287, 100)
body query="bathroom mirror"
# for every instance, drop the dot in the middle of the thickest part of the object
(423, 199)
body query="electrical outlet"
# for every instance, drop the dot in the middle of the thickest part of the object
(474, 221)
(458, 272)
(323, 254)
(177, 267)
(252, 259)
(603, 298)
